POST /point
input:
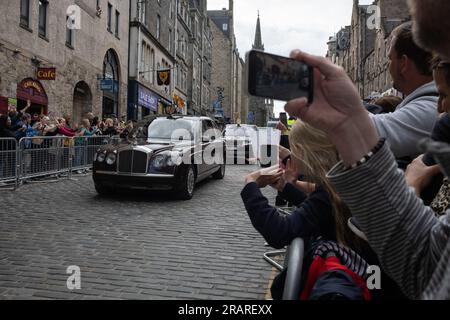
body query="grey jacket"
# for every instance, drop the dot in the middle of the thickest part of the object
(411, 243)
(412, 121)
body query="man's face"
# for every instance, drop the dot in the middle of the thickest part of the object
(431, 25)
(394, 67)
(440, 77)
(12, 110)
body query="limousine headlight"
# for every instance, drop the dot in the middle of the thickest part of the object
(111, 158)
(159, 161)
(101, 157)
(165, 160)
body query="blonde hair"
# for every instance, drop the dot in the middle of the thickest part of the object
(109, 122)
(85, 123)
(316, 155)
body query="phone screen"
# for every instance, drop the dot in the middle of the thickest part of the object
(278, 78)
(283, 119)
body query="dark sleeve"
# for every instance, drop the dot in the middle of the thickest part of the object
(293, 194)
(441, 133)
(313, 218)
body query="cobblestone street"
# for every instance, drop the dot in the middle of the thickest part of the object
(131, 246)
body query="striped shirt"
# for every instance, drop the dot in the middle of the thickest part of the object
(349, 258)
(412, 244)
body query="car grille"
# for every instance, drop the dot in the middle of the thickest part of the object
(131, 161)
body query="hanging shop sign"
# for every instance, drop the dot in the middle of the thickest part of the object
(179, 101)
(46, 74)
(163, 77)
(106, 84)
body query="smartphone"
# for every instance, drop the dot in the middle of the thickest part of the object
(279, 78)
(284, 119)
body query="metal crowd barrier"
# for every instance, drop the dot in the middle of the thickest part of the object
(39, 157)
(8, 162)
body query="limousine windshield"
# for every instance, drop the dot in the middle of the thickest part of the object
(174, 129)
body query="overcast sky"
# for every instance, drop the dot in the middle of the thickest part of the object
(288, 24)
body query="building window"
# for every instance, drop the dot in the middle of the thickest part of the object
(147, 63)
(142, 65)
(25, 13)
(182, 47)
(43, 5)
(152, 65)
(109, 17)
(143, 14)
(158, 26)
(170, 9)
(170, 41)
(117, 23)
(225, 27)
(69, 34)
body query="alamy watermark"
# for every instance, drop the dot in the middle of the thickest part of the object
(374, 280)
(73, 17)
(374, 19)
(219, 150)
(74, 280)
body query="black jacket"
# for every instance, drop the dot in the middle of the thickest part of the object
(312, 218)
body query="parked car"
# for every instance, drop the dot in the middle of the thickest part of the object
(240, 143)
(171, 154)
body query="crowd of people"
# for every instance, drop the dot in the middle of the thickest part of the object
(19, 124)
(353, 206)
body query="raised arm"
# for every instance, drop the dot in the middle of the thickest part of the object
(407, 238)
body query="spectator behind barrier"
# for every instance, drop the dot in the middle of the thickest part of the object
(5, 123)
(423, 174)
(414, 118)
(412, 244)
(109, 128)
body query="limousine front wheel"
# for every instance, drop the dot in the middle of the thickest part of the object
(186, 190)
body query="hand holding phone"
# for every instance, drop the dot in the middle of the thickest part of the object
(265, 177)
(279, 78)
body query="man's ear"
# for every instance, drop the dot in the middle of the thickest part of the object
(404, 64)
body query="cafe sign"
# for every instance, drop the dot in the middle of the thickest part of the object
(46, 74)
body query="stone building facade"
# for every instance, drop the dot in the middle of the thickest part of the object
(201, 59)
(169, 36)
(89, 56)
(362, 49)
(153, 26)
(227, 67)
